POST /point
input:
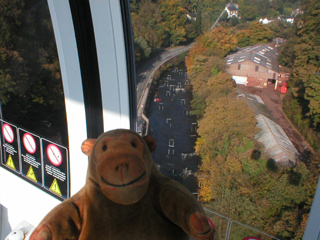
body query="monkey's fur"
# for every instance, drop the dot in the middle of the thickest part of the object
(125, 197)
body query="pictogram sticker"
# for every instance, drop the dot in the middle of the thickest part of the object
(54, 154)
(30, 155)
(10, 163)
(31, 174)
(29, 143)
(10, 148)
(8, 133)
(55, 187)
(56, 168)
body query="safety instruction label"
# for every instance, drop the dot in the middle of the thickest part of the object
(32, 175)
(39, 161)
(10, 147)
(55, 187)
(30, 154)
(56, 168)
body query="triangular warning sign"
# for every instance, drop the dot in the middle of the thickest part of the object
(31, 174)
(55, 187)
(10, 163)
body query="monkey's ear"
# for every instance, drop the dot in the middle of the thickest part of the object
(87, 146)
(150, 142)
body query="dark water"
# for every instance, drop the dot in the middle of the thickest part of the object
(173, 128)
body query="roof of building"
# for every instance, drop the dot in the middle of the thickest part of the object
(297, 12)
(262, 54)
(257, 104)
(287, 17)
(279, 41)
(192, 15)
(276, 142)
(232, 7)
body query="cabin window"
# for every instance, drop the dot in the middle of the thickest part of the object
(32, 108)
(32, 96)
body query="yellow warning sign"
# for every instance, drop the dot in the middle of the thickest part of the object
(31, 174)
(55, 187)
(10, 163)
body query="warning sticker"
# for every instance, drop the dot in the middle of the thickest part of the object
(30, 154)
(55, 187)
(10, 147)
(56, 168)
(29, 143)
(31, 174)
(10, 163)
(54, 154)
(8, 133)
(38, 160)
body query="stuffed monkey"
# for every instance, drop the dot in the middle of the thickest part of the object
(125, 198)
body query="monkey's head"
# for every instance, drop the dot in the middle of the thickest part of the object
(120, 163)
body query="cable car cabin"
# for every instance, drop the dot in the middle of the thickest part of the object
(67, 74)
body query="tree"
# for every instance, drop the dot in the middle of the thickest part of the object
(174, 16)
(30, 71)
(262, 7)
(248, 13)
(234, 20)
(198, 24)
(219, 42)
(148, 29)
(210, 11)
(260, 33)
(11, 18)
(287, 52)
(302, 53)
(243, 38)
(256, 33)
(249, 189)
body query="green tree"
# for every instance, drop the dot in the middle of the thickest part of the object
(210, 11)
(234, 20)
(148, 29)
(248, 13)
(198, 24)
(249, 189)
(11, 19)
(29, 66)
(174, 16)
(302, 53)
(260, 33)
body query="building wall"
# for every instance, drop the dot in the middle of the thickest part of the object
(257, 82)
(257, 74)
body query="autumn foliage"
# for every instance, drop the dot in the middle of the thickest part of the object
(301, 53)
(158, 24)
(236, 178)
(218, 42)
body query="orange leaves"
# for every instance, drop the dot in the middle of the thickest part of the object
(218, 42)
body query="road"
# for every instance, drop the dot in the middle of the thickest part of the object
(145, 74)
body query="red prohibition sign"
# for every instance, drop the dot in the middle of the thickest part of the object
(8, 133)
(251, 238)
(54, 154)
(29, 143)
